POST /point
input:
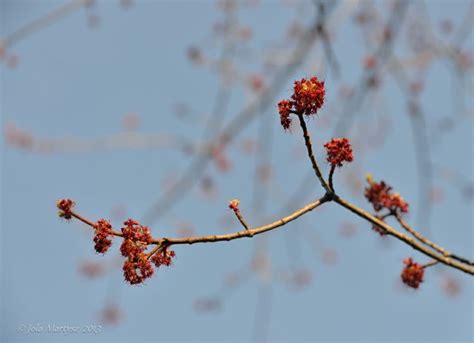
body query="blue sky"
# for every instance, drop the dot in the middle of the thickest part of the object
(76, 81)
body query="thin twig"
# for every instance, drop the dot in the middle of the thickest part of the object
(309, 148)
(246, 233)
(430, 264)
(331, 174)
(158, 248)
(429, 243)
(408, 240)
(420, 237)
(226, 237)
(241, 219)
(92, 224)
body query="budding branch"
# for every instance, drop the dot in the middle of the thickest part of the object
(307, 99)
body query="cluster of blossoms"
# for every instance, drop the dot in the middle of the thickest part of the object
(136, 238)
(163, 258)
(103, 230)
(307, 99)
(284, 108)
(65, 207)
(412, 274)
(137, 269)
(338, 150)
(308, 96)
(380, 196)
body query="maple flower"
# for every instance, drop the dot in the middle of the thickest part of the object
(412, 274)
(308, 95)
(338, 150)
(284, 108)
(103, 229)
(136, 238)
(397, 202)
(308, 98)
(137, 269)
(65, 207)
(163, 258)
(380, 195)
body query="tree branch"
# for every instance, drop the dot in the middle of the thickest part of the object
(429, 243)
(404, 238)
(246, 233)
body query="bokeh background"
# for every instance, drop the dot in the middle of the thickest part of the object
(113, 103)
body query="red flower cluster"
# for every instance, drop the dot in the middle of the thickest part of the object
(412, 274)
(65, 206)
(284, 108)
(163, 258)
(137, 268)
(307, 98)
(103, 229)
(136, 238)
(380, 195)
(338, 150)
(135, 232)
(397, 202)
(308, 95)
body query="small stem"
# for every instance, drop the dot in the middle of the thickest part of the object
(92, 224)
(241, 219)
(331, 174)
(430, 264)
(309, 148)
(158, 248)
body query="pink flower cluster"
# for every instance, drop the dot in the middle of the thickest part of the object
(136, 238)
(380, 196)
